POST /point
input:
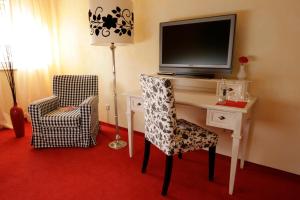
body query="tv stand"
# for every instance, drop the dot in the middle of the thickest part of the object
(166, 73)
(200, 76)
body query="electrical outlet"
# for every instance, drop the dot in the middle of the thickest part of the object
(107, 107)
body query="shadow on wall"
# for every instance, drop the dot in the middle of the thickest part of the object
(240, 42)
(274, 113)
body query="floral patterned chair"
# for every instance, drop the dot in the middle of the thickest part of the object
(69, 118)
(164, 131)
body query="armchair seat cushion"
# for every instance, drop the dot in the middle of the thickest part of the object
(191, 137)
(61, 117)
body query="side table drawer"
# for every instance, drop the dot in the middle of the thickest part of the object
(221, 119)
(136, 103)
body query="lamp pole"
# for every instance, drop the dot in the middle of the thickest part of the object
(117, 143)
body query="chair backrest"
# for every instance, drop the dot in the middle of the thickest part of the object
(74, 89)
(160, 112)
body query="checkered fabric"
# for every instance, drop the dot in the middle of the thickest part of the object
(71, 90)
(40, 108)
(60, 118)
(56, 127)
(162, 128)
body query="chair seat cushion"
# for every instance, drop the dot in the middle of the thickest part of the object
(190, 137)
(61, 117)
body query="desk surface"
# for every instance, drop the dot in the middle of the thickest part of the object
(198, 99)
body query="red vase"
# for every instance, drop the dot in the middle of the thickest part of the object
(17, 118)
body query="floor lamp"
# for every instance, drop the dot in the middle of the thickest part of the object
(111, 23)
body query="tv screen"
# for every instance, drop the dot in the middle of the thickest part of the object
(198, 46)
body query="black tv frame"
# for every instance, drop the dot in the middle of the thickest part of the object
(199, 70)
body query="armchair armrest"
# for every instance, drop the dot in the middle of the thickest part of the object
(89, 113)
(90, 101)
(89, 105)
(41, 107)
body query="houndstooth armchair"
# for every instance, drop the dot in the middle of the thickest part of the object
(69, 118)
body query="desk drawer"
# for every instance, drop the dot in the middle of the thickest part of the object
(136, 103)
(221, 119)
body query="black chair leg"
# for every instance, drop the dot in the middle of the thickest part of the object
(168, 173)
(211, 161)
(146, 155)
(180, 155)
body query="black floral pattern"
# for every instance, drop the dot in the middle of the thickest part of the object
(109, 22)
(119, 22)
(161, 126)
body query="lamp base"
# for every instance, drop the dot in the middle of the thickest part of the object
(117, 144)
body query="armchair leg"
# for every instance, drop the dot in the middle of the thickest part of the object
(168, 173)
(146, 155)
(211, 161)
(180, 155)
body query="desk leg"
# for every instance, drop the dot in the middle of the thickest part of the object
(236, 136)
(244, 142)
(130, 133)
(129, 115)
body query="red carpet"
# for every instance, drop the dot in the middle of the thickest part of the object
(102, 173)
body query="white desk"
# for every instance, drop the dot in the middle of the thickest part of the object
(235, 119)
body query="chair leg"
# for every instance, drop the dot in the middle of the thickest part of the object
(211, 161)
(168, 173)
(180, 155)
(146, 155)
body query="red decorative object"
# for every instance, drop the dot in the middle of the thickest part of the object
(17, 118)
(243, 60)
(237, 104)
(16, 113)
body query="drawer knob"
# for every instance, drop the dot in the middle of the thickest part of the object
(222, 118)
(139, 104)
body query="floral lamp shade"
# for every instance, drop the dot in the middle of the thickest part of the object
(111, 21)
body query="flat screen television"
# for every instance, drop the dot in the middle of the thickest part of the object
(198, 46)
